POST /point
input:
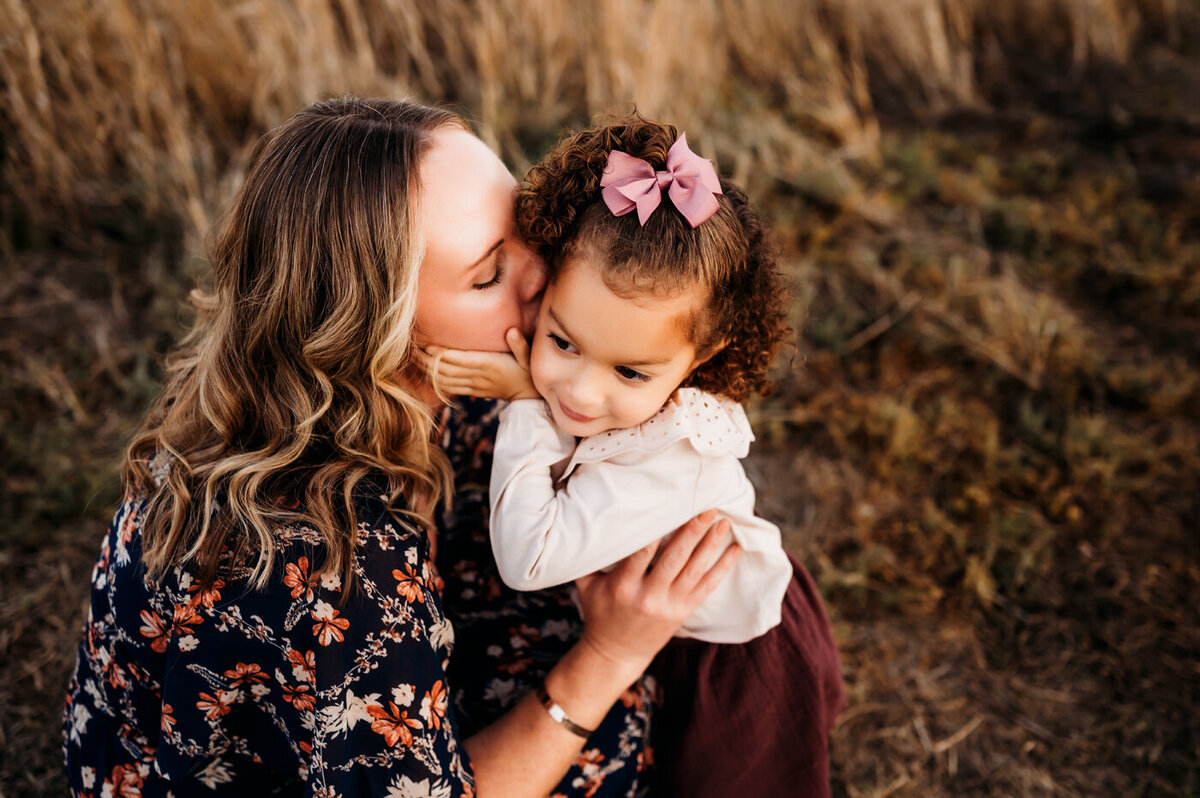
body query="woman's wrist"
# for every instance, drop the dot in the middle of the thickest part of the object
(624, 664)
(587, 681)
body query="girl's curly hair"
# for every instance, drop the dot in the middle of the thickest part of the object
(561, 215)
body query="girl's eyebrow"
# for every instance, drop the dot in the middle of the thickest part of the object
(559, 322)
(645, 362)
(567, 332)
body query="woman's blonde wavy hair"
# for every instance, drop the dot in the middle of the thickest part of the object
(284, 400)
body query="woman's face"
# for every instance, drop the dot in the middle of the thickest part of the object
(477, 279)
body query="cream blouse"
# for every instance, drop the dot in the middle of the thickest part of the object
(562, 509)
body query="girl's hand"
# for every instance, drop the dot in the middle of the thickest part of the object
(631, 612)
(495, 375)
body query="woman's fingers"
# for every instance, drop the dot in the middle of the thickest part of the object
(710, 580)
(714, 543)
(636, 564)
(634, 609)
(679, 549)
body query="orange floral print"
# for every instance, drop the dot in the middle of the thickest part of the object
(394, 725)
(300, 696)
(590, 756)
(185, 618)
(155, 628)
(634, 698)
(244, 673)
(125, 782)
(208, 596)
(249, 672)
(218, 705)
(113, 672)
(433, 706)
(409, 584)
(328, 627)
(589, 762)
(128, 524)
(297, 577)
(304, 665)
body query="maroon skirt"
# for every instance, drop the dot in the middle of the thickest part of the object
(751, 719)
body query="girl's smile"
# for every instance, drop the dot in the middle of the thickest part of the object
(604, 361)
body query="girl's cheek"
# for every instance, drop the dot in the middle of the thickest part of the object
(547, 367)
(537, 364)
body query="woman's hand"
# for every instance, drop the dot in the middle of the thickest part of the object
(631, 612)
(495, 375)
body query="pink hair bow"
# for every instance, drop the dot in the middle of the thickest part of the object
(690, 181)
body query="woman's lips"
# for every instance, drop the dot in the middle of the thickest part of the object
(571, 414)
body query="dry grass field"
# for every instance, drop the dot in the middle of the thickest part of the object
(986, 449)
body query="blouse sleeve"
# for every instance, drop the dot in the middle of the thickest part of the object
(544, 535)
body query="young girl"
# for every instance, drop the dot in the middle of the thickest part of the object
(662, 312)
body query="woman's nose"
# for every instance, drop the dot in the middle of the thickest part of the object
(529, 292)
(534, 279)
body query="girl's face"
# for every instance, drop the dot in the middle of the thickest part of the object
(604, 362)
(477, 279)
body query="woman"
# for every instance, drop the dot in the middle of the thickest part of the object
(266, 614)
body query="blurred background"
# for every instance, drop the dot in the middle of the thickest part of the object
(986, 447)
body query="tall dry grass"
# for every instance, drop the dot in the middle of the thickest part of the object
(146, 106)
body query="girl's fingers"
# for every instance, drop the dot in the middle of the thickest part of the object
(463, 359)
(470, 384)
(461, 390)
(451, 370)
(518, 346)
(425, 358)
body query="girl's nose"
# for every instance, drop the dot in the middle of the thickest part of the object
(584, 391)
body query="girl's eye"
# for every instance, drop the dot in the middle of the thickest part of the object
(633, 376)
(495, 279)
(562, 343)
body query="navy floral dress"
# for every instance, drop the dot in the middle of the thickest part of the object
(290, 690)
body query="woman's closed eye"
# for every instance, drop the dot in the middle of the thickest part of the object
(494, 280)
(627, 373)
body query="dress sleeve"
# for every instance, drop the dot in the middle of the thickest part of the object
(383, 722)
(543, 535)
